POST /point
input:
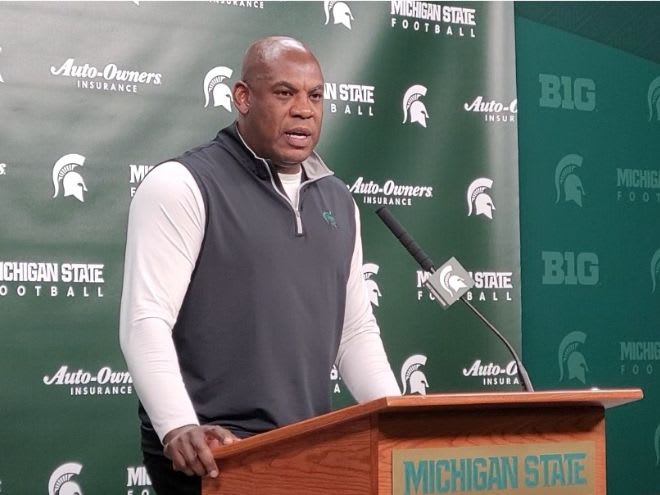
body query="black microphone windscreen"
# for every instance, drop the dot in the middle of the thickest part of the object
(405, 238)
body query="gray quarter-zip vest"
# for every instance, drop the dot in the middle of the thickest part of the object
(260, 324)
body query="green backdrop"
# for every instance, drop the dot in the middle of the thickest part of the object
(421, 110)
(589, 201)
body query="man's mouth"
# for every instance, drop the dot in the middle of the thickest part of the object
(298, 136)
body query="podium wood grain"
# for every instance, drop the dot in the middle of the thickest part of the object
(349, 451)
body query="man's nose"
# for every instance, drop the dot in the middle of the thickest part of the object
(302, 107)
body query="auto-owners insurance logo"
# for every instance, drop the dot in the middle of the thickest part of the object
(389, 192)
(111, 77)
(493, 110)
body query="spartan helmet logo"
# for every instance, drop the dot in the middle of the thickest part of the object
(413, 376)
(450, 282)
(413, 106)
(567, 180)
(654, 99)
(214, 87)
(369, 270)
(570, 356)
(61, 483)
(341, 13)
(479, 199)
(72, 181)
(655, 268)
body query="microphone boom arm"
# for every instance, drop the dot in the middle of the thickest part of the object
(522, 372)
(442, 290)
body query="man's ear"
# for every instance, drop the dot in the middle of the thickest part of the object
(241, 96)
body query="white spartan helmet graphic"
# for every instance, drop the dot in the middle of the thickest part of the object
(368, 271)
(654, 99)
(479, 199)
(450, 282)
(413, 105)
(341, 13)
(61, 483)
(655, 268)
(216, 89)
(72, 182)
(411, 374)
(570, 357)
(567, 180)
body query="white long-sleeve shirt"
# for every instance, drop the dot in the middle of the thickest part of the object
(165, 233)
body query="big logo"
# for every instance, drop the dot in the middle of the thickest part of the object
(216, 90)
(567, 181)
(571, 359)
(370, 270)
(478, 199)
(570, 268)
(61, 482)
(567, 93)
(413, 107)
(654, 99)
(413, 378)
(64, 173)
(339, 11)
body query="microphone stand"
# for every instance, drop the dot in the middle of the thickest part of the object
(434, 283)
(522, 372)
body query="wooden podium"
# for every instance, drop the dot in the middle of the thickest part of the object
(540, 442)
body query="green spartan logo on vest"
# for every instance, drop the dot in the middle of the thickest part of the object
(330, 219)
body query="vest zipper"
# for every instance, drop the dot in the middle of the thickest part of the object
(296, 211)
(299, 227)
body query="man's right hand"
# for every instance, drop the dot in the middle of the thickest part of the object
(188, 448)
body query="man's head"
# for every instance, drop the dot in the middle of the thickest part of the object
(280, 101)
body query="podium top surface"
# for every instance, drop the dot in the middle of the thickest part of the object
(550, 398)
(460, 401)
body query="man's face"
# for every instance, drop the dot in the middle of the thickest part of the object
(282, 108)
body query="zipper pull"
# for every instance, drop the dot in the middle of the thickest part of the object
(299, 226)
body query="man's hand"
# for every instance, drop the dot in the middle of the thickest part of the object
(188, 448)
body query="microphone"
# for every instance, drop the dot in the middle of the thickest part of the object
(448, 284)
(405, 238)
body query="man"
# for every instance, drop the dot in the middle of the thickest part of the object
(243, 282)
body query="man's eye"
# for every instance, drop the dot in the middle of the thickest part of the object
(316, 97)
(283, 92)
